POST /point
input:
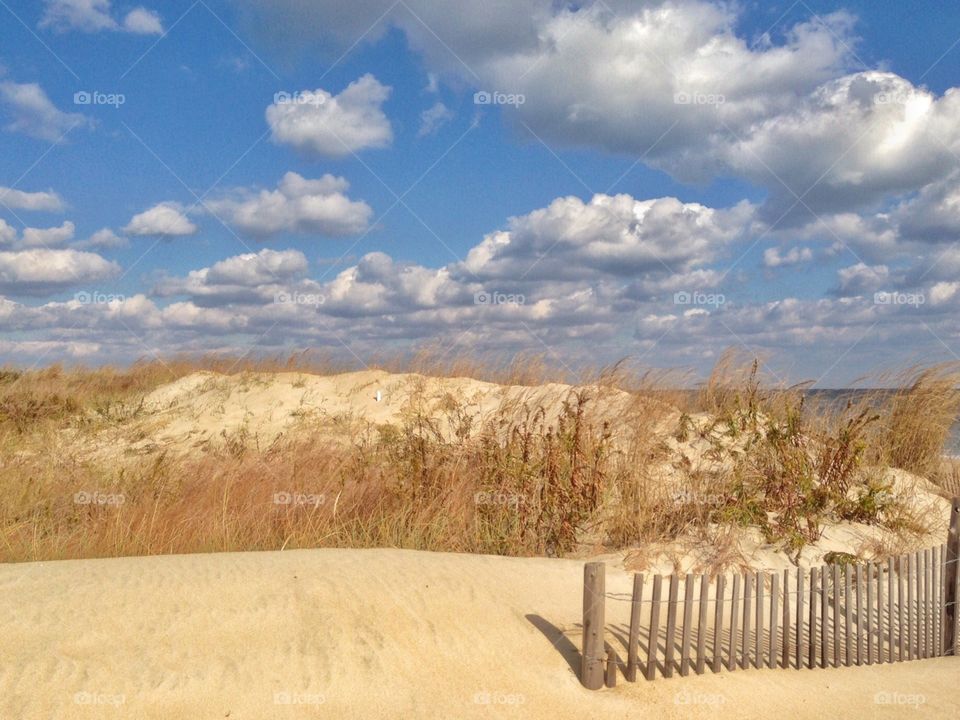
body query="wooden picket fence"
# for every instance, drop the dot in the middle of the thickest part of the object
(830, 616)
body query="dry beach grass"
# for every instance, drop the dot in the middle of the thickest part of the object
(515, 467)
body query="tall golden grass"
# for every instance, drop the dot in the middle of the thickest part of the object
(525, 484)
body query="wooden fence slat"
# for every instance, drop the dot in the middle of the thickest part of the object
(785, 659)
(902, 573)
(937, 598)
(924, 594)
(859, 614)
(633, 650)
(890, 620)
(799, 643)
(702, 623)
(718, 624)
(835, 581)
(911, 596)
(848, 613)
(951, 583)
(928, 601)
(745, 647)
(670, 654)
(880, 626)
(918, 618)
(687, 625)
(941, 575)
(594, 600)
(654, 637)
(934, 602)
(824, 619)
(758, 645)
(734, 620)
(774, 619)
(869, 569)
(813, 618)
(925, 614)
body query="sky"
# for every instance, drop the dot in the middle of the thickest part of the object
(588, 181)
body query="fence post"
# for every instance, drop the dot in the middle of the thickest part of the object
(633, 652)
(610, 679)
(950, 581)
(593, 656)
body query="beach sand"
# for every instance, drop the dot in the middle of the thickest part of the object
(371, 634)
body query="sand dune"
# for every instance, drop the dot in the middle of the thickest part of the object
(368, 634)
(203, 407)
(203, 410)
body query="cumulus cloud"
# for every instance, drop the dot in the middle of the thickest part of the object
(617, 235)
(247, 278)
(91, 16)
(48, 237)
(42, 271)
(933, 216)
(42, 348)
(773, 258)
(849, 144)
(164, 220)
(433, 118)
(105, 238)
(298, 205)
(143, 22)
(14, 199)
(320, 123)
(861, 278)
(613, 250)
(676, 82)
(377, 285)
(32, 113)
(8, 234)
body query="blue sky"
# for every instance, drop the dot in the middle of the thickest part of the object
(657, 180)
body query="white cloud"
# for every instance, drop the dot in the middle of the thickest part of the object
(676, 81)
(40, 348)
(143, 22)
(851, 142)
(83, 15)
(933, 216)
(942, 292)
(8, 234)
(41, 271)
(298, 205)
(32, 113)
(251, 278)
(104, 238)
(252, 269)
(165, 219)
(772, 258)
(333, 125)
(860, 279)
(434, 118)
(615, 235)
(91, 16)
(48, 237)
(47, 201)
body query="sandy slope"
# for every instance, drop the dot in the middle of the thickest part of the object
(375, 633)
(204, 407)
